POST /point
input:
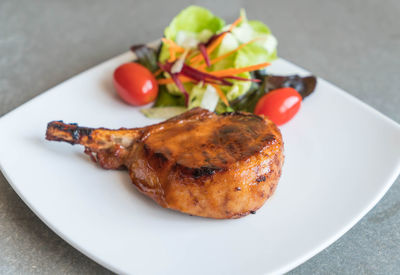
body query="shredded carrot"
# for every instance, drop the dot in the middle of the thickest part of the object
(172, 55)
(221, 94)
(219, 58)
(164, 81)
(173, 49)
(197, 58)
(215, 43)
(157, 73)
(234, 71)
(172, 44)
(234, 24)
(193, 54)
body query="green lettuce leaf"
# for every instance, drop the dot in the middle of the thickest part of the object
(193, 19)
(251, 29)
(204, 96)
(164, 98)
(252, 54)
(195, 96)
(195, 22)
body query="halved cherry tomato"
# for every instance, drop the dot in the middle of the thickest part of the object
(279, 105)
(135, 84)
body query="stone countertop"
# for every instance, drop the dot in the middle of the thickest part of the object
(353, 44)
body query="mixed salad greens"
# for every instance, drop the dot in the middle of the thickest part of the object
(204, 62)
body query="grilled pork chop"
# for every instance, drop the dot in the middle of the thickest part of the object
(200, 163)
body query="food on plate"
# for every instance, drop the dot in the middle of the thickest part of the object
(199, 50)
(304, 85)
(220, 153)
(203, 62)
(280, 105)
(200, 163)
(135, 84)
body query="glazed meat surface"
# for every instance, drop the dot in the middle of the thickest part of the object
(200, 163)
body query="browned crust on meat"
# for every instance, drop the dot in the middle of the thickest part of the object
(215, 189)
(198, 163)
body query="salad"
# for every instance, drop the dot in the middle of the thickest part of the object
(204, 62)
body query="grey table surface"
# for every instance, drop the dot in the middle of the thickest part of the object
(354, 44)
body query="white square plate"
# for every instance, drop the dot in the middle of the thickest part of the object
(341, 158)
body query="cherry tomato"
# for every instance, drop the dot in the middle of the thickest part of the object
(279, 105)
(135, 84)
